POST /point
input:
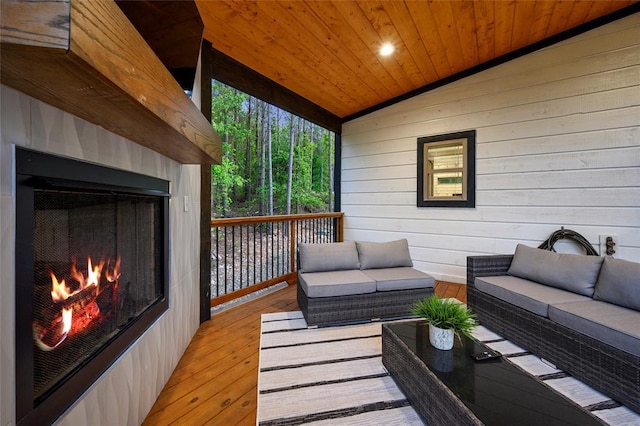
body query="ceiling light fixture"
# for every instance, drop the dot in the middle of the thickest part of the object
(386, 49)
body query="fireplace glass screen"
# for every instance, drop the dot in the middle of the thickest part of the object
(91, 274)
(98, 263)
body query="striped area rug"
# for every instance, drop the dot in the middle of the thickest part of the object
(335, 376)
(609, 411)
(326, 376)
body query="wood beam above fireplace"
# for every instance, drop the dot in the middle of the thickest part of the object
(86, 58)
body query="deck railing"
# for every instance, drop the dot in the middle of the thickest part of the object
(252, 253)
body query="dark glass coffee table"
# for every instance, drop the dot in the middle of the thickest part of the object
(450, 388)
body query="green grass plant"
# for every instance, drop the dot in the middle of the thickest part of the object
(448, 314)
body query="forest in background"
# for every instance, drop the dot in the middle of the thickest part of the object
(273, 162)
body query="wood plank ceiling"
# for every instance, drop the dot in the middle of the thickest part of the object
(327, 51)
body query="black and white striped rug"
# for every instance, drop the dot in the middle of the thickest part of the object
(334, 375)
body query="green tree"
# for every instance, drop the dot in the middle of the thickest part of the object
(273, 162)
(226, 177)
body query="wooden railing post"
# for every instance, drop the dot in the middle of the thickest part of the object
(293, 244)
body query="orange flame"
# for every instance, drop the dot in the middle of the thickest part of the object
(67, 315)
(59, 290)
(93, 274)
(50, 337)
(114, 273)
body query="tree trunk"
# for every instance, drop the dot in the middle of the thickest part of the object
(321, 154)
(270, 160)
(263, 162)
(226, 191)
(290, 170)
(331, 148)
(247, 158)
(311, 128)
(236, 146)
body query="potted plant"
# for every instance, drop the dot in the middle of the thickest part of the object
(446, 318)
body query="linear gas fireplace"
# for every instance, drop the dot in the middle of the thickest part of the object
(91, 274)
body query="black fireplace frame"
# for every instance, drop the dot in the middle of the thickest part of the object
(41, 170)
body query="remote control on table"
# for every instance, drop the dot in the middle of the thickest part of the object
(488, 354)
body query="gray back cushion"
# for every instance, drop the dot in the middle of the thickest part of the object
(392, 254)
(574, 272)
(619, 283)
(328, 257)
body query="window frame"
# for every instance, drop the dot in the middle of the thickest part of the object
(468, 170)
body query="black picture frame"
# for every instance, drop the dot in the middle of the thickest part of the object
(470, 172)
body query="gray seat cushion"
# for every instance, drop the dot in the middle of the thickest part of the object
(574, 272)
(405, 278)
(335, 283)
(392, 254)
(525, 294)
(328, 257)
(608, 323)
(619, 283)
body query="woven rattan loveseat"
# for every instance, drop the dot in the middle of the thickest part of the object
(609, 362)
(358, 281)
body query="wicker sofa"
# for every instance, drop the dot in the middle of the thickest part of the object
(358, 281)
(581, 313)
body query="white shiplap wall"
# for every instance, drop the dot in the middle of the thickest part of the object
(558, 144)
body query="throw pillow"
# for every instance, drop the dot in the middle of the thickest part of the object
(392, 254)
(328, 257)
(619, 283)
(574, 272)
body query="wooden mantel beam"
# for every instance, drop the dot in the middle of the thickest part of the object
(86, 58)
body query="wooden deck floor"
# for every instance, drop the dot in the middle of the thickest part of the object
(215, 382)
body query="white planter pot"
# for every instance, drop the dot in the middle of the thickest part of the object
(441, 338)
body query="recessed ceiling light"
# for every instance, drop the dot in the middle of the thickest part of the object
(386, 49)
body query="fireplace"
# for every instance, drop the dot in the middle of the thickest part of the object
(91, 274)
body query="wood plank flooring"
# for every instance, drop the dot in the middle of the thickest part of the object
(215, 381)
